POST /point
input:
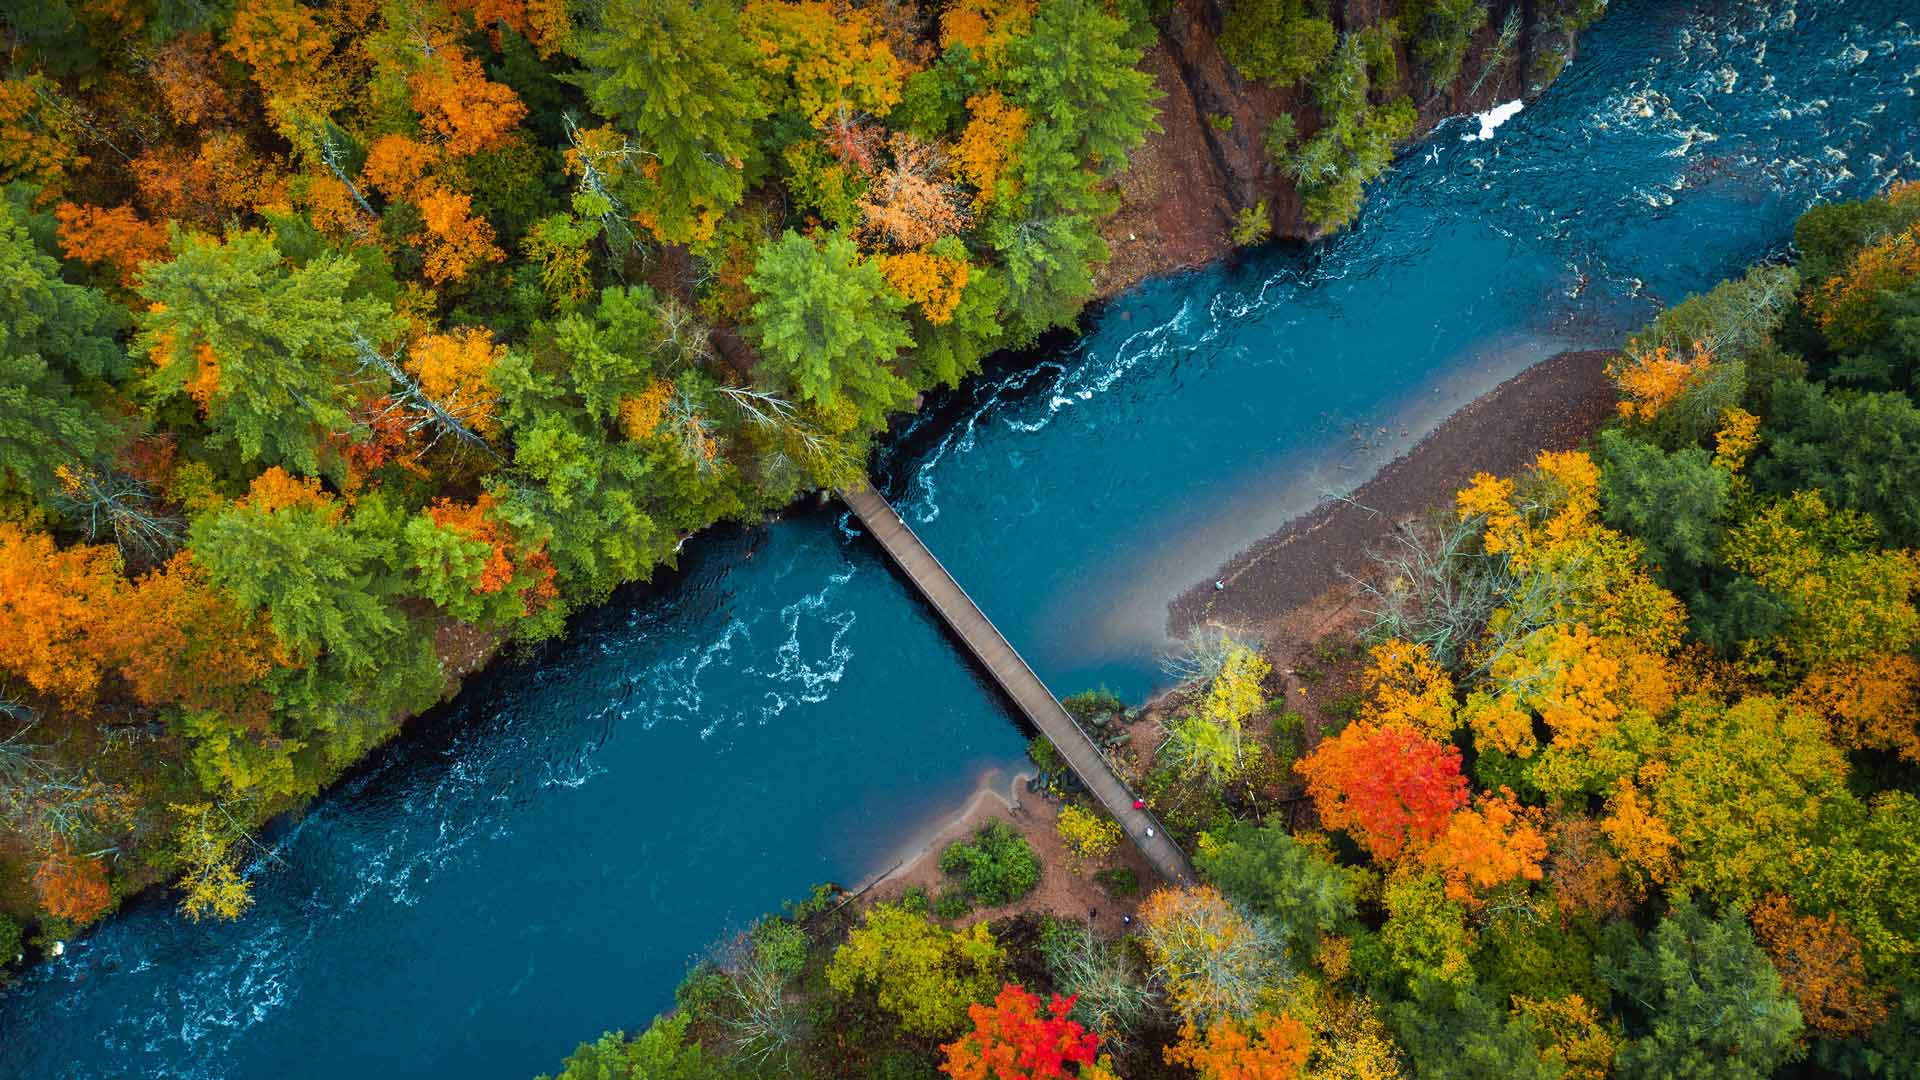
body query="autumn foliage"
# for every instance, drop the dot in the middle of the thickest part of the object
(1650, 380)
(1013, 1039)
(71, 886)
(53, 603)
(115, 238)
(1267, 1048)
(1388, 786)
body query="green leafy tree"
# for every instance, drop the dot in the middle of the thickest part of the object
(1747, 793)
(1866, 875)
(283, 341)
(1300, 890)
(922, 973)
(662, 1052)
(1080, 80)
(1458, 1032)
(322, 582)
(829, 327)
(1710, 1003)
(1356, 138)
(1673, 502)
(1736, 318)
(680, 77)
(1861, 450)
(1277, 41)
(51, 335)
(1442, 32)
(1426, 935)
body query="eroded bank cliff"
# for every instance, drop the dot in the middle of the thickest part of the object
(1184, 188)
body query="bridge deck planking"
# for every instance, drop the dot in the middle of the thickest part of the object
(1016, 677)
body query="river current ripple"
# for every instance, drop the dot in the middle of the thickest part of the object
(539, 860)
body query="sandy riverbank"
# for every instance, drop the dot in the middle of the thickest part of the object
(1554, 405)
(1287, 588)
(1063, 890)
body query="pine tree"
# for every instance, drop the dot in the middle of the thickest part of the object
(279, 341)
(678, 75)
(829, 326)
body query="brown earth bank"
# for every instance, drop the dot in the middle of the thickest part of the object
(1065, 888)
(1182, 189)
(1555, 405)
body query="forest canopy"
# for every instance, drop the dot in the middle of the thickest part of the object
(350, 341)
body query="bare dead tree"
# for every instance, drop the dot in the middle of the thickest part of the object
(418, 411)
(114, 504)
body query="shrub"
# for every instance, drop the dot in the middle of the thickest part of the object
(1046, 757)
(781, 945)
(9, 942)
(1088, 704)
(1119, 881)
(952, 903)
(997, 867)
(1252, 224)
(1087, 834)
(704, 988)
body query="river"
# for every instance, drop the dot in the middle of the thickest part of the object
(540, 860)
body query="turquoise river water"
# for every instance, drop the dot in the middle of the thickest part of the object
(541, 859)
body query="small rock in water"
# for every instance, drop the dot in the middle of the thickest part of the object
(59, 949)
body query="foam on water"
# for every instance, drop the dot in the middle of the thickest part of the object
(538, 862)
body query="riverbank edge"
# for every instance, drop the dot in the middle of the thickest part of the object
(1556, 404)
(1156, 231)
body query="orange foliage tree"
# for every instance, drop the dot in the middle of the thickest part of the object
(52, 603)
(286, 46)
(544, 23)
(1848, 306)
(71, 886)
(455, 369)
(35, 143)
(909, 203)
(989, 145)
(116, 238)
(1269, 1048)
(985, 26)
(1387, 786)
(460, 107)
(186, 72)
(1014, 1040)
(1820, 963)
(1650, 379)
(457, 239)
(1486, 846)
(1871, 704)
(177, 639)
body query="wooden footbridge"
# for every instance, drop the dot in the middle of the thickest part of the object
(1034, 700)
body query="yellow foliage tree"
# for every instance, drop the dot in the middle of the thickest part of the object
(1410, 689)
(989, 146)
(1213, 960)
(934, 282)
(1088, 835)
(455, 369)
(829, 57)
(1650, 379)
(211, 882)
